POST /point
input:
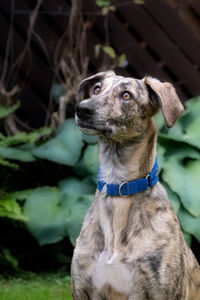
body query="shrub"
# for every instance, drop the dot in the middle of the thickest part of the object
(51, 213)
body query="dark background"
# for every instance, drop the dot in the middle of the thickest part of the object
(159, 38)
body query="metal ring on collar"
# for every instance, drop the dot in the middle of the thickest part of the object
(148, 182)
(120, 189)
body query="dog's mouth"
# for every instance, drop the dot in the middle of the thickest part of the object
(87, 126)
(92, 127)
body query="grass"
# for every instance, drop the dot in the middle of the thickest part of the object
(35, 287)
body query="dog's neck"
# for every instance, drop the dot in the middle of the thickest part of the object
(130, 160)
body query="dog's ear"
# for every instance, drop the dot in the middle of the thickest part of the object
(163, 96)
(87, 83)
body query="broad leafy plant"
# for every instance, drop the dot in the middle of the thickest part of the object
(51, 213)
(14, 149)
(179, 156)
(18, 147)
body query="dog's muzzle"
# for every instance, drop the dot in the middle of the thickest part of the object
(88, 120)
(85, 116)
(84, 113)
(85, 109)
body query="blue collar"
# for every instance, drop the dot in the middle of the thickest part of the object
(131, 187)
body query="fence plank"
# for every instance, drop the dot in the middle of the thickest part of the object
(125, 42)
(195, 4)
(162, 45)
(154, 38)
(175, 27)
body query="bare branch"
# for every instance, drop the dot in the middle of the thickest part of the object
(5, 65)
(32, 20)
(10, 125)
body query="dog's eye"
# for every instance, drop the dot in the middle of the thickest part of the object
(97, 89)
(127, 95)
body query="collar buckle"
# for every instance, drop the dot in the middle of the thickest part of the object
(120, 186)
(132, 187)
(148, 181)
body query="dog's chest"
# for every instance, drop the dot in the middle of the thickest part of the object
(109, 270)
(116, 265)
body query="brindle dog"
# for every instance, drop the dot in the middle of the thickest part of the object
(130, 248)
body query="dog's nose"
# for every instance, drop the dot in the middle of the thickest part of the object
(84, 111)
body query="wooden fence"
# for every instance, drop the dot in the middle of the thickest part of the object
(156, 37)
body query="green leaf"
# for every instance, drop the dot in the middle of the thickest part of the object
(160, 155)
(189, 223)
(11, 209)
(192, 135)
(188, 238)
(193, 107)
(90, 159)
(159, 121)
(167, 137)
(102, 3)
(97, 50)
(6, 163)
(80, 168)
(52, 215)
(19, 195)
(16, 154)
(57, 91)
(177, 150)
(7, 258)
(77, 207)
(5, 111)
(110, 51)
(25, 137)
(184, 181)
(176, 131)
(122, 61)
(140, 2)
(186, 129)
(65, 147)
(75, 186)
(46, 219)
(174, 199)
(105, 10)
(89, 139)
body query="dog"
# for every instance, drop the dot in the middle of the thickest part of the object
(131, 246)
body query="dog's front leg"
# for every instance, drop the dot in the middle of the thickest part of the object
(73, 291)
(83, 295)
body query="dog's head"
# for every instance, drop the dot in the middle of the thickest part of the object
(121, 107)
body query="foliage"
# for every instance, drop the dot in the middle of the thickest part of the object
(10, 208)
(7, 259)
(25, 137)
(102, 3)
(30, 286)
(5, 111)
(108, 6)
(64, 148)
(140, 2)
(110, 51)
(179, 156)
(51, 213)
(10, 205)
(19, 147)
(118, 61)
(60, 212)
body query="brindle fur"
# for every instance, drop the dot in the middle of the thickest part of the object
(130, 248)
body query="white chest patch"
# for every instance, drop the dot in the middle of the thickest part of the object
(109, 270)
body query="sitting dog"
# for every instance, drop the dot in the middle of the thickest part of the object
(131, 246)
